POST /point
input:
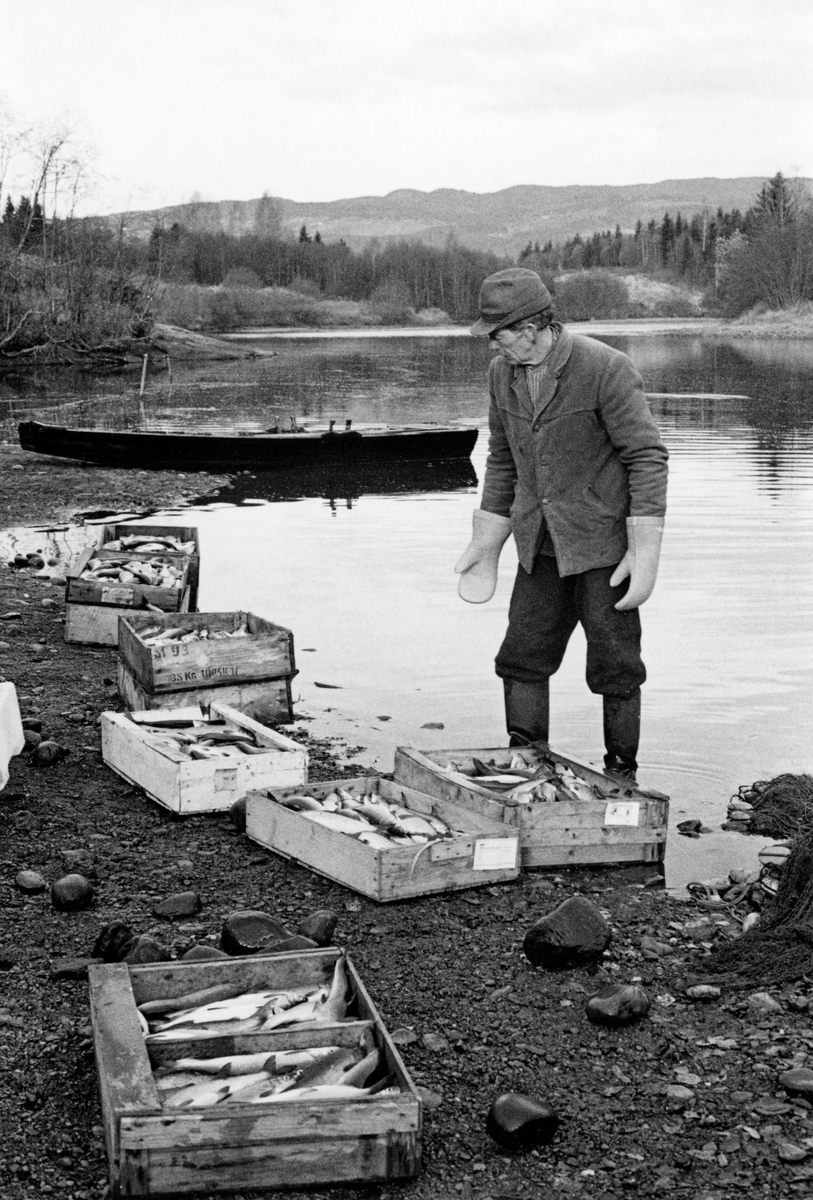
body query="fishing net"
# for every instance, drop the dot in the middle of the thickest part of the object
(780, 949)
(780, 806)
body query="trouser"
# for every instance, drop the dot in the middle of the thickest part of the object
(545, 609)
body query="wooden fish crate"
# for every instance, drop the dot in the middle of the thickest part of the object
(266, 653)
(125, 595)
(187, 785)
(484, 852)
(237, 1147)
(184, 533)
(629, 826)
(264, 700)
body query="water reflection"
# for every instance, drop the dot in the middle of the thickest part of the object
(342, 485)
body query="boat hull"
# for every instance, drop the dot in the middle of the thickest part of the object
(240, 452)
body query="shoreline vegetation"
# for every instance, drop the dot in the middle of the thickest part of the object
(87, 294)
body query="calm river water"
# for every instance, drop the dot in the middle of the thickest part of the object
(361, 568)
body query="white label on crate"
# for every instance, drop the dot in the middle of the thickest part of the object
(494, 854)
(225, 779)
(622, 812)
(117, 595)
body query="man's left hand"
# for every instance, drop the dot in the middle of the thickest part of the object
(640, 562)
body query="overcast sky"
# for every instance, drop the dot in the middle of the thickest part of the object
(325, 99)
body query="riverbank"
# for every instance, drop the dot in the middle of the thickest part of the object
(687, 1101)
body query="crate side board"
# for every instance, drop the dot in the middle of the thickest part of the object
(123, 1071)
(251, 973)
(263, 700)
(279, 1165)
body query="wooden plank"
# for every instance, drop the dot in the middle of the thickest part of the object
(536, 855)
(300, 968)
(551, 833)
(348, 1033)
(394, 873)
(266, 653)
(250, 1123)
(126, 1082)
(263, 700)
(184, 785)
(299, 1162)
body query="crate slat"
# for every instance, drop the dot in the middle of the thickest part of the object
(264, 700)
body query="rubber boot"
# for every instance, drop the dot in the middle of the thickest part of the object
(527, 711)
(622, 732)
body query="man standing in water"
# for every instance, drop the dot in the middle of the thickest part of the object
(576, 470)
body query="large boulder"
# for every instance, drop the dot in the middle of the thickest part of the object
(575, 932)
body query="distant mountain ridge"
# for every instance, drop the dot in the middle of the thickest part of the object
(502, 222)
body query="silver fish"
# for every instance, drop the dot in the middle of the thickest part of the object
(212, 1091)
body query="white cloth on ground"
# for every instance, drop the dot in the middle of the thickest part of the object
(12, 738)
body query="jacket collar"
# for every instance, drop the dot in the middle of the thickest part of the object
(555, 364)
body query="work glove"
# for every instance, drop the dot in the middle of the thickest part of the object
(640, 562)
(477, 565)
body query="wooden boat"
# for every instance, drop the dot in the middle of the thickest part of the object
(258, 451)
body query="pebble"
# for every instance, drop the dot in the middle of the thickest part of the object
(435, 1042)
(618, 1004)
(519, 1122)
(47, 754)
(71, 892)
(763, 1002)
(650, 945)
(703, 991)
(320, 926)
(798, 1082)
(574, 932)
(112, 937)
(144, 949)
(237, 815)
(181, 904)
(404, 1036)
(431, 1100)
(250, 931)
(678, 1094)
(202, 953)
(31, 883)
(294, 941)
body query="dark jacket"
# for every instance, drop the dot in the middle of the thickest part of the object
(586, 457)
